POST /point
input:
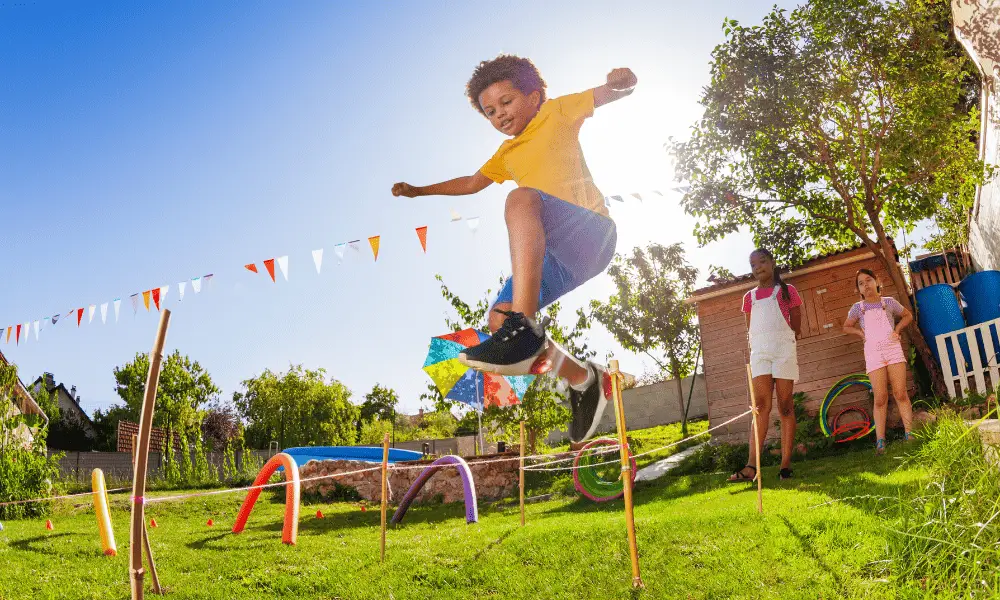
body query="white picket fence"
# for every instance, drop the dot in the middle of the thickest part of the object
(984, 364)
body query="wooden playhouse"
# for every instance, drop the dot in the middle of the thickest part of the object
(825, 352)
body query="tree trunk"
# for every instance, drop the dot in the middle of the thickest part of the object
(680, 402)
(916, 337)
(532, 440)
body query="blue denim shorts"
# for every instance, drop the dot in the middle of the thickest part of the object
(579, 245)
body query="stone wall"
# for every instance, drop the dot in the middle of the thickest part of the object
(493, 480)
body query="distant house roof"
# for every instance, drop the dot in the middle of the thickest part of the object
(28, 404)
(812, 264)
(52, 387)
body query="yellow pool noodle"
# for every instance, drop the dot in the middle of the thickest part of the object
(103, 514)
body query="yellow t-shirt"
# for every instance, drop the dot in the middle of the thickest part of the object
(547, 156)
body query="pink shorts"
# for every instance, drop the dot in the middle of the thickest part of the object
(882, 354)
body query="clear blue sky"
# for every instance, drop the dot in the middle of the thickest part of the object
(145, 145)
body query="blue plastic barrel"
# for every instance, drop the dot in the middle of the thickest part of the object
(981, 292)
(938, 312)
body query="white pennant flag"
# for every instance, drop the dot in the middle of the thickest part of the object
(208, 279)
(27, 329)
(339, 251)
(283, 265)
(180, 290)
(355, 245)
(196, 284)
(104, 314)
(163, 294)
(118, 303)
(455, 216)
(318, 258)
(473, 223)
(36, 331)
(90, 313)
(135, 303)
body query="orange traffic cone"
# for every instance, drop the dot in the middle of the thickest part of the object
(319, 514)
(210, 523)
(152, 523)
(364, 508)
(48, 525)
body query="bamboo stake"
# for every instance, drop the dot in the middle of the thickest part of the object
(385, 488)
(633, 550)
(149, 556)
(136, 571)
(521, 474)
(756, 442)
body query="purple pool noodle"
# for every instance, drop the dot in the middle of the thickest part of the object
(468, 487)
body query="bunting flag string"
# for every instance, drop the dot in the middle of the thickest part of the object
(374, 242)
(318, 259)
(422, 236)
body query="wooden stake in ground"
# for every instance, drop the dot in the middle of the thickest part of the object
(149, 557)
(633, 550)
(385, 488)
(137, 530)
(521, 474)
(756, 441)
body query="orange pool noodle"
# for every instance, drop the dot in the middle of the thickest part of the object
(290, 530)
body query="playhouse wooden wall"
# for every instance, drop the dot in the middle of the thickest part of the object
(825, 353)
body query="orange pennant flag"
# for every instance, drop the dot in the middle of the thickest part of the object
(156, 297)
(145, 299)
(251, 267)
(17, 337)
(422, 234)
(8, 334)
(79, 316)
(269, 265)
(373, 240)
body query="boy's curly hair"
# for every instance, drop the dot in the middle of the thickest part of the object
(521, 72)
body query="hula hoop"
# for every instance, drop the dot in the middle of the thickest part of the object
(586, 479)
(861, 428)
(841, 385)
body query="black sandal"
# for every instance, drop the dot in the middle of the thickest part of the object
(740, 477)
(785, 474)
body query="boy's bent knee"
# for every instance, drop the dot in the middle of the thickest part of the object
(522, 198)
(786, 409)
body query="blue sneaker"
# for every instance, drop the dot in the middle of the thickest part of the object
(880, 447)
(512, 350)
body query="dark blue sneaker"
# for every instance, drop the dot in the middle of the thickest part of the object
(588, 406)
(512, 350)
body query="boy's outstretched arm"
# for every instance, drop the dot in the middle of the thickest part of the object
(621, 83)
(460, 186)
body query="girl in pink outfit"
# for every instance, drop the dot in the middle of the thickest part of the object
(873, 320)
(773, 316)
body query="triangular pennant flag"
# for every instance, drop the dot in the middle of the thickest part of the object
(339, 250)
(455, 216)
(180, 290)
(104, 314)
(637, 196)
(617, 198)
(355, 245)
(79, 316)
(155, 293)
(27, 330)
(36, 330)
(473, 223)
(55, 319)
(164, 290)
(17, 338)
(208, 279)
(658, 192)
(269, 265)
(607, 201)
(92, 309)
(374, 241)
(283, 265)
(8, 335)
(318, 259)
(422, 236)
(135, 303)
(118, 303)
(252, 267)
(145, 299)
(196, 284)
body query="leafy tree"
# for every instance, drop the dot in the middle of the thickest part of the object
(297, 408)
(184, 387)
(219, 425)
(379, 405)
(648, 315)
(106, 424)
(841, 122)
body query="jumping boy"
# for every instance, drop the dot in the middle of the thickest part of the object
(557, 222)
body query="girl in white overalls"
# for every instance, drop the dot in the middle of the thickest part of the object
(874, 321)
(773, 317)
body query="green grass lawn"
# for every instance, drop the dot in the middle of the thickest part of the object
(698, 538)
